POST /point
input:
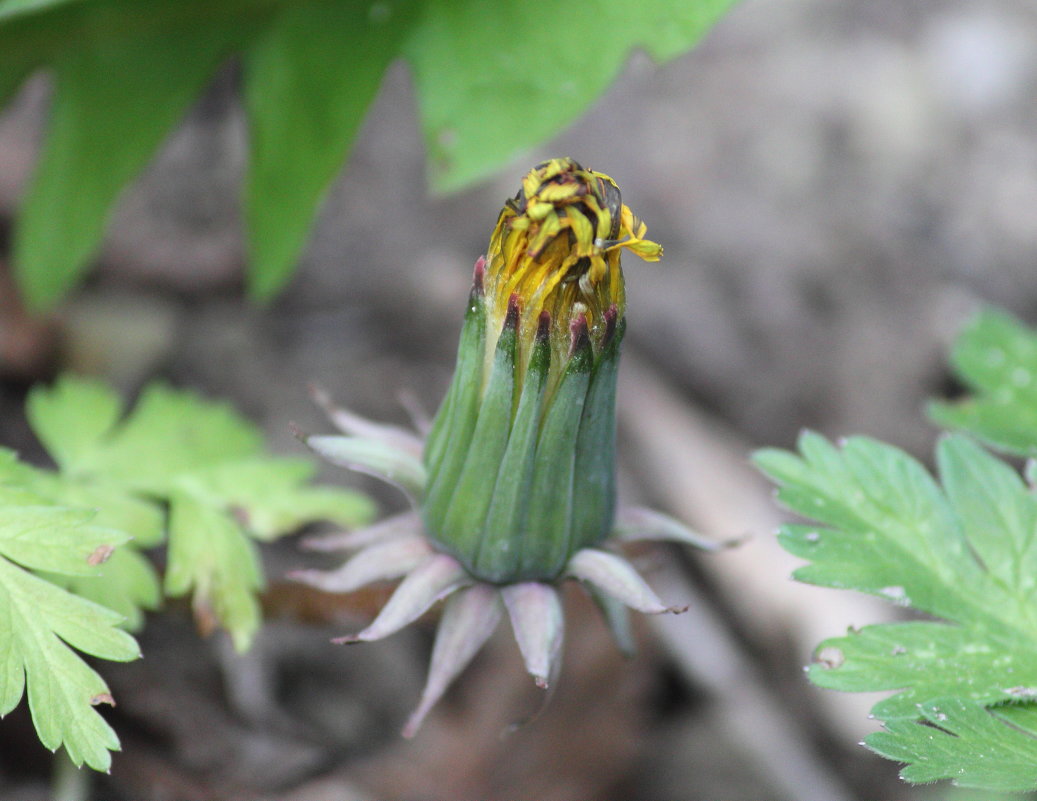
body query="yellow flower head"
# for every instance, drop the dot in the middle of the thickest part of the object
(556, 249)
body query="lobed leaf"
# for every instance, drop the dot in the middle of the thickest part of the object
(203, 460)
(272, 496)
(39, 622)
(963, 551)
(46, 537)
(996, 357)
(126, 583)
(211, 556)
(992, 749)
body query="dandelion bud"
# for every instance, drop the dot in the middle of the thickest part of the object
(516, 479)
(521, 456)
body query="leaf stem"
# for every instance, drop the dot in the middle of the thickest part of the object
(69, 782)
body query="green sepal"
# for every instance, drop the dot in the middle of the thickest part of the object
(594, 487)
(452, 428)
(460, 529)
(547, 540)
(498, 555)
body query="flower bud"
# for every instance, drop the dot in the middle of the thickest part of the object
(521, 455)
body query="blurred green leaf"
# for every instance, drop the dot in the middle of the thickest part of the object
(210, 555)
(493, 79)
(204, 460)
(272, 496)
(112, 106)
(996, 357)
(14, 8)
(966, 553)
(309, 80)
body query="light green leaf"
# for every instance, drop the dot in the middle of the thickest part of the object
(127, 584)
(169, 432)
(996, 357)
(38, 623)
(113, 506)
(114, 101)
(993, 749)
(72, 417)
(965, 553)
(175, 445)
(309, 80)
(209, 554)
(46, 537)
(271, 497)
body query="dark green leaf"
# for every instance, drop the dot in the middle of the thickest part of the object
(493, 79)
(309, 80)
(114, 101)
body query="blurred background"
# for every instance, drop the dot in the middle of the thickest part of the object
(838, 184)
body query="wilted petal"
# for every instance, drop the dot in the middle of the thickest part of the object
(356, 426)
(539, 625)
(373, 457)
(401, 525)
(377, 562)
(469, 618)
(637, 523)
(616, 577)
(435, 578)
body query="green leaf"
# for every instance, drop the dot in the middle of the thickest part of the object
(39, 621)
(993, 749)
(14, 8)
(114, 101)
(169, 433)
(71, 417)
(309, 80)
(46, 538)
(965, 552)
(495, 79)
(209, 554)
(996, 358)
(201, 458)
(126, 584)
(271, 496)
